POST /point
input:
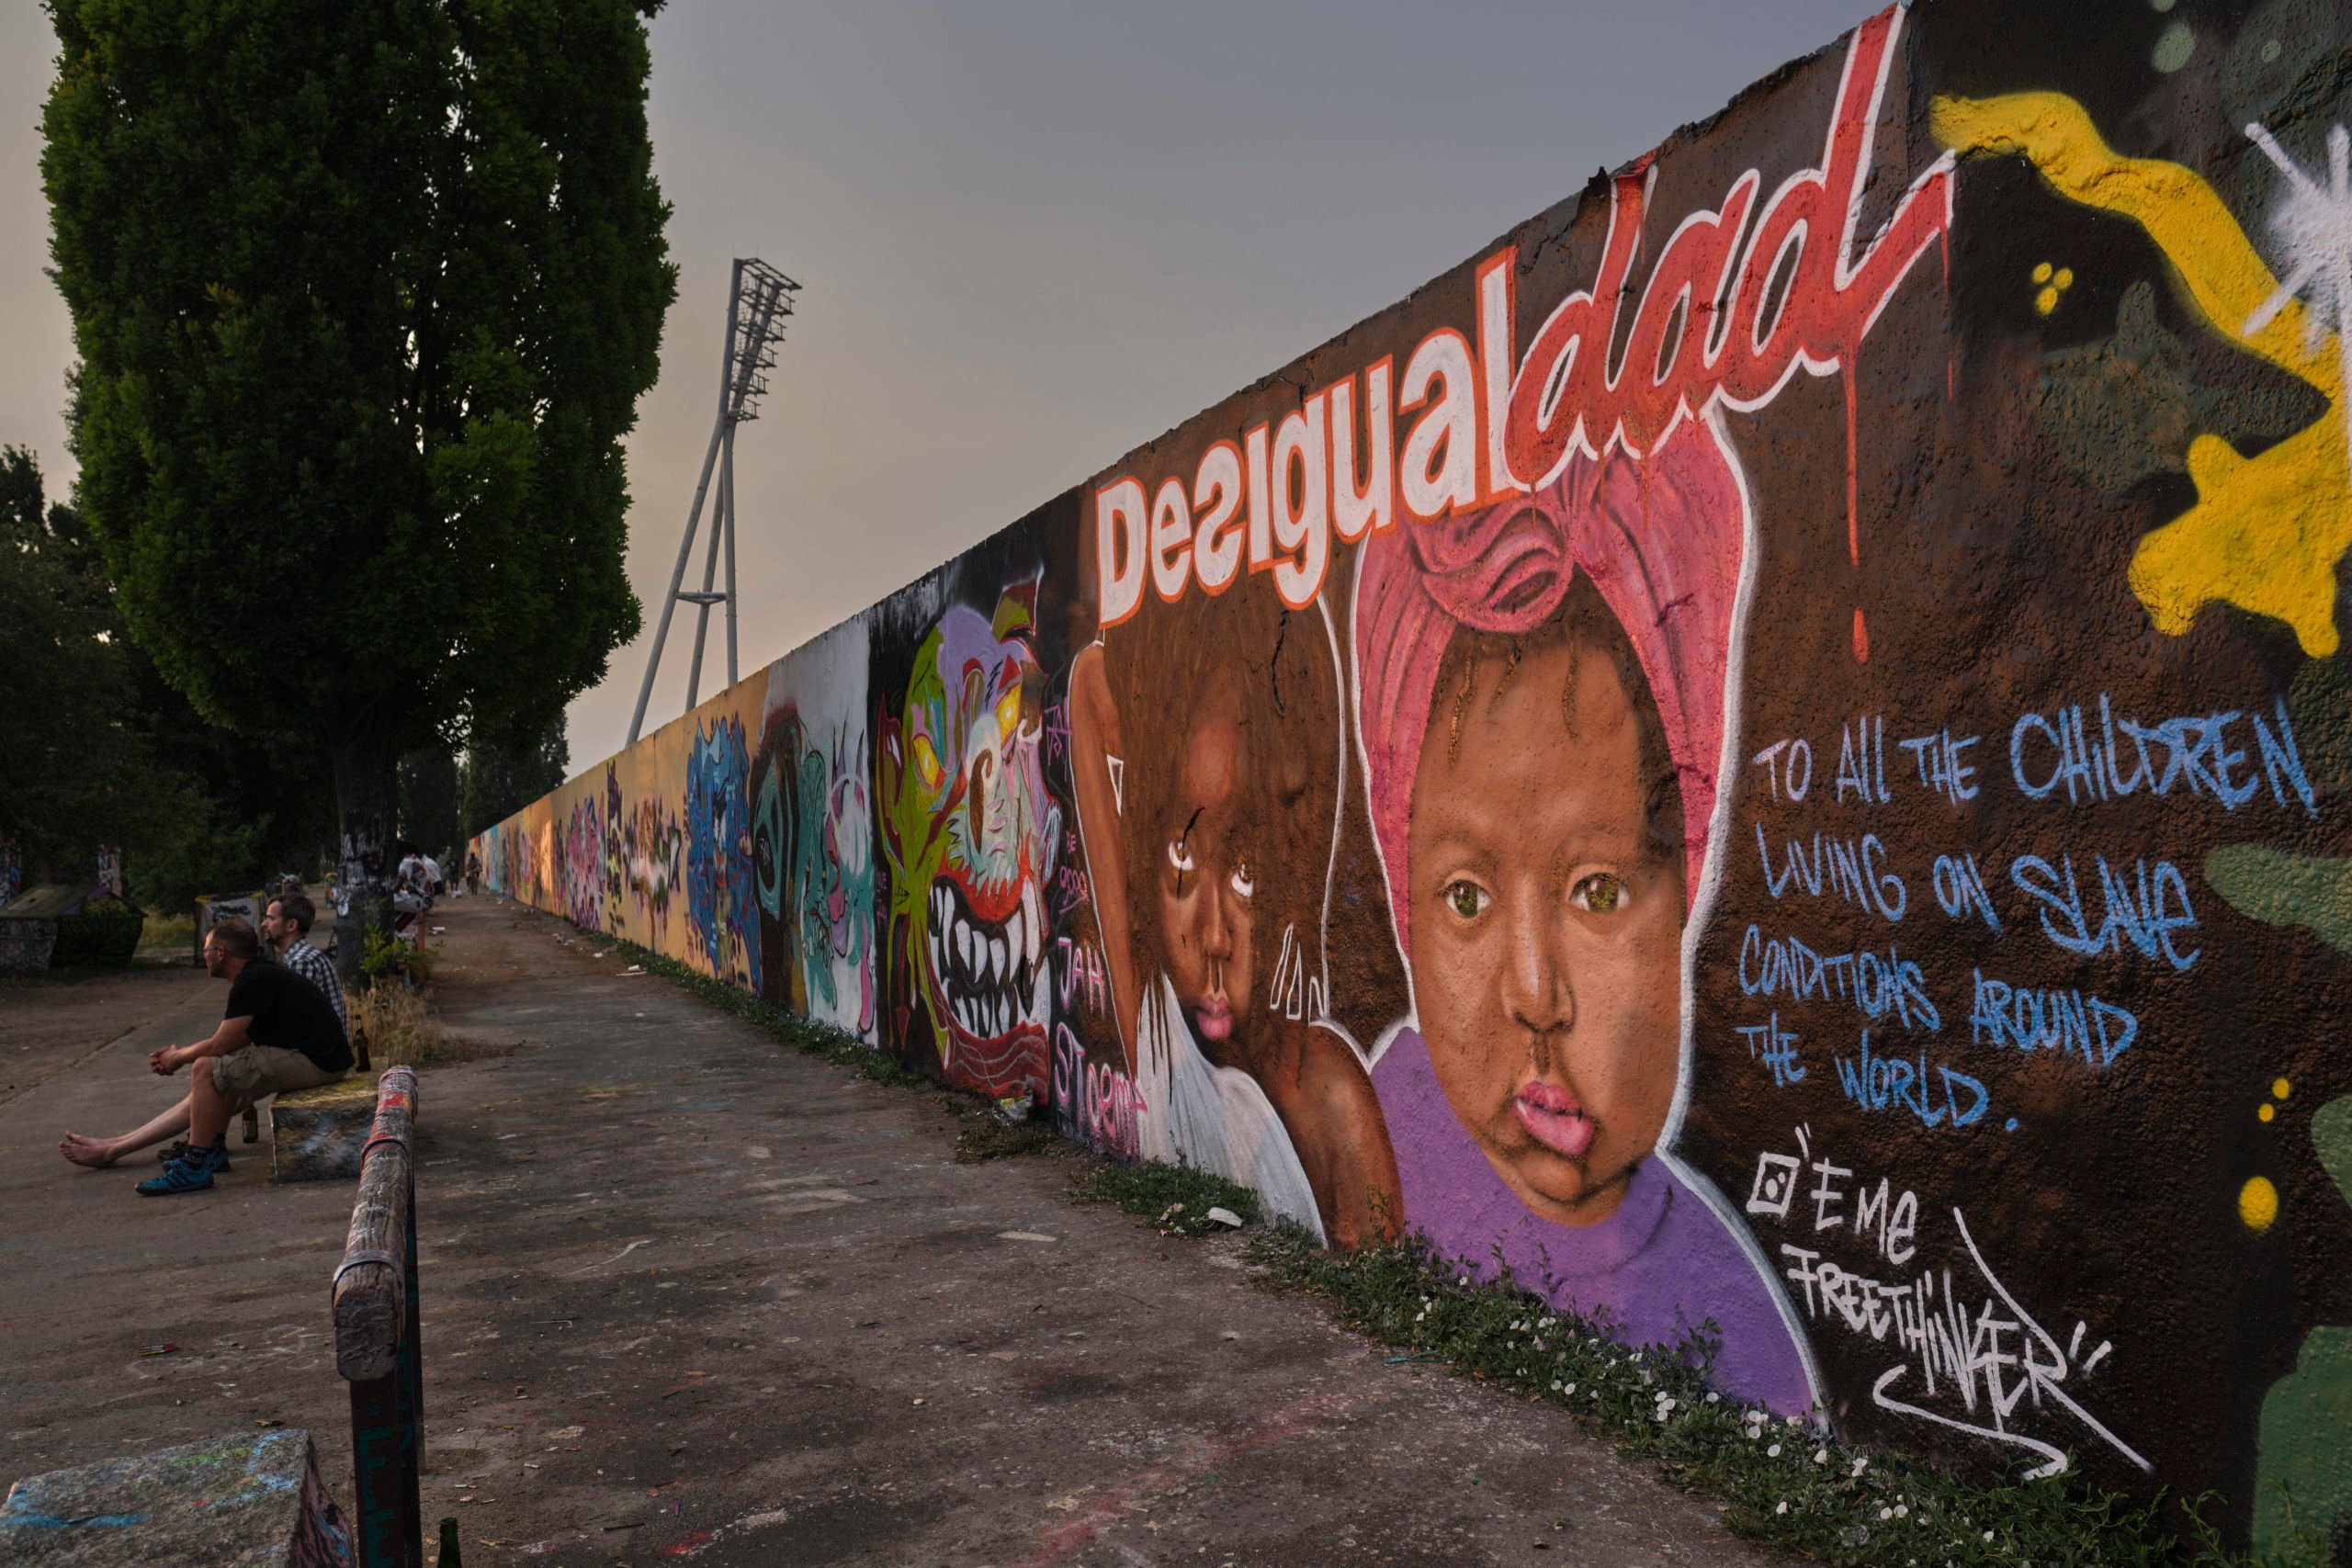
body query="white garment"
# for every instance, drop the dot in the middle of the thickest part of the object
(1217, 1118)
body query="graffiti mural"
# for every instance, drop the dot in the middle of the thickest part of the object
(1768, 753)
(812, 835)
(972, 837)
(582, 878)
(720, 911)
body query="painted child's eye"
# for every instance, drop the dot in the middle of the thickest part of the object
(1245, 881)
(1602, 893)
(1179, 856)
(927, 762)
(1467, 900)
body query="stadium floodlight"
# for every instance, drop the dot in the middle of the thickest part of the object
(758, 300)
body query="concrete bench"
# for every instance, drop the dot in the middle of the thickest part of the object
(316, 1134)
(239, 1502)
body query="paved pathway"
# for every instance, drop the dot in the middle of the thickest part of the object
(690, 1295)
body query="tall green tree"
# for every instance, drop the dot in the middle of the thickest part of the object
(364, 297)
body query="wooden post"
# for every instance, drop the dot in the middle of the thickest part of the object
(377, 1345)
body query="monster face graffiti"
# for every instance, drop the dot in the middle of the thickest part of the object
(973, 837)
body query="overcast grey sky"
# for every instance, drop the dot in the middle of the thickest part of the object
(1033, 235)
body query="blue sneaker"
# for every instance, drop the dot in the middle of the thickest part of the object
(182, 1175)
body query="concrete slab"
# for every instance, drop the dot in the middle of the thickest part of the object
(688, 1293)
(241, 1501)
(318, 1135)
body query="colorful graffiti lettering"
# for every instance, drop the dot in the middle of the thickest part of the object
(812, 863)
(583, 878)
(655, 847)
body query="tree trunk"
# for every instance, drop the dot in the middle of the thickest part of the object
(367, 790)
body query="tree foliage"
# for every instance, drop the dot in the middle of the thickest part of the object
(70, 760)
(429, 799)
(364, 297)
(96, 750)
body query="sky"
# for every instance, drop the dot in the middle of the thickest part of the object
(1032, 235)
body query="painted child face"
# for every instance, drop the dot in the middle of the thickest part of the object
(1546, 930)
(1206, 877)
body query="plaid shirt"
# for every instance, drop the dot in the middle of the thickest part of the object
(319, 969)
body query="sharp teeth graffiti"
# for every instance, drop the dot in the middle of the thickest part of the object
(972, 838)
(1768, 751)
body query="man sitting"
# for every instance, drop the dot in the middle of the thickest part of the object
(276, 1034)
(286, 926)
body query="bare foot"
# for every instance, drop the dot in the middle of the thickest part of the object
(92, 1151)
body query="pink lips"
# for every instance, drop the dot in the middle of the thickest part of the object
(1213, 1016)
(1553, 1118)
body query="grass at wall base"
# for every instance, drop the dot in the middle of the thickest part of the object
(1783, 1483)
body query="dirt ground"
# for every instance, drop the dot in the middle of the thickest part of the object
(50, 1023)
(690, 1295)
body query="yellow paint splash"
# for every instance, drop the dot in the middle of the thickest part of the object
(2055, 283)
(2258, 1203)
(2267, 532)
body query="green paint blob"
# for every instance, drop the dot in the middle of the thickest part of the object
(2124, 407)
(2174, 47)
(2303, 1483)
(2282, 889)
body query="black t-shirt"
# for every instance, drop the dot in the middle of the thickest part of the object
(288, 1013)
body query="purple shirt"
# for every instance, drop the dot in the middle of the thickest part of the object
(1660, 1265)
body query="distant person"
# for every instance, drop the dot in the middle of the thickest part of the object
(278, 1033)
(473, 872)
(411, 888)
(286, 927)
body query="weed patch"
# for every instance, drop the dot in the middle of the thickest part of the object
(1784, 1482)
(986, 1135)
(1176, 1198)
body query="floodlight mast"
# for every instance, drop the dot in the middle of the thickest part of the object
(758, 300)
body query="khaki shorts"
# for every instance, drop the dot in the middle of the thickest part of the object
(258, 1071)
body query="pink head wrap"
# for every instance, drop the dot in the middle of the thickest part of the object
(1661, 538)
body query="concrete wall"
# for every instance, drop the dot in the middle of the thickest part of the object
(1772, 746)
